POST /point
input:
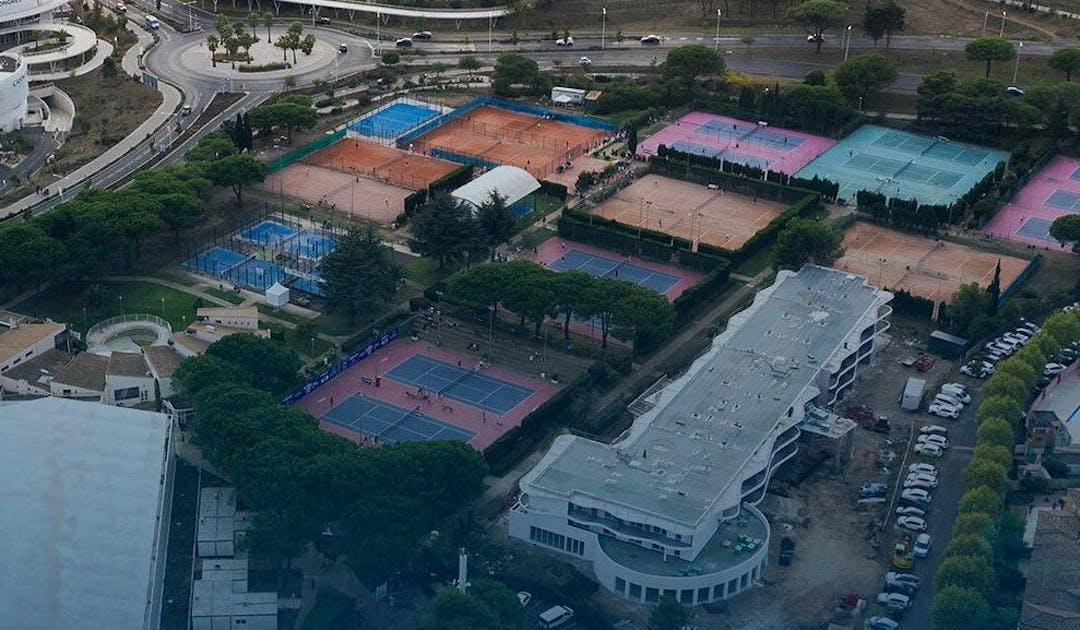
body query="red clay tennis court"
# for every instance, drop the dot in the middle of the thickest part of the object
(341, 192)
(377, 378)
(532, 143)
(921, 265)
(387, 164)
(691, 211)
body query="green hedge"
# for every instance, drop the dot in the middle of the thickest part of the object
(452, 180)
(553, 189)
(414, 201)
(625, 239)
(672, 166)
(712, 285)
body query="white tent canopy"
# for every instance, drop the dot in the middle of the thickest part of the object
(510, 182)
(277, 295)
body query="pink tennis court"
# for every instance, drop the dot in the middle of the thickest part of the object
(412, 391)
(768, 148)
(1054, 192)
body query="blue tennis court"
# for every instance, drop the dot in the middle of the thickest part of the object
(268, 233)
(1075, 175)
(751, 133)
(389, 423)
(694, 148)
(257, 274)
(1034, 227)
(393, 120)
(215, 261)
(311, 245)
(1065, 200)
(602, 267)
(462, 385)
(308, 283)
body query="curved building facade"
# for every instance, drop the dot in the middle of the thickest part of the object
(13, 11)
(668, 509)
(14, 90)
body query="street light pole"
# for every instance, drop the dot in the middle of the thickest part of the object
(716, 42)
(1001, 33)
(1016, 68)
(378, 33)
(603, 32)
(847, 45)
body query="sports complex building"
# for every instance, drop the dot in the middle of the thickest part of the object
(668, 508)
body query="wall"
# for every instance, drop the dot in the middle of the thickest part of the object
(14, 90)
(30, 352)
(114, 383)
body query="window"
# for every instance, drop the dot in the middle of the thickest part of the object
(745, 580)
(686, 596)
(635, 591)
(620, 586)
(126, 393)
(677, 553)
(575, 546)
(670, 592)
(556, 541)
(733, 587)
(718, 591)
(703, 594)
(652, 595)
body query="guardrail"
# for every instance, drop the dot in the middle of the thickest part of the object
(121, 319)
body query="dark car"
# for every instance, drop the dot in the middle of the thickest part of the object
(787, 551)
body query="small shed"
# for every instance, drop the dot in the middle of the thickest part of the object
(277, 295)
(591, 99)
(567, 96)
(948, 346)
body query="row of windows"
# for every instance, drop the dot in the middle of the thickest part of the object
(598, 514)
(686, 596)
(557, 541)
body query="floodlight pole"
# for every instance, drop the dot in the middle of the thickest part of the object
(603, 32)
(378, 33)
(716, 42)
(1016, 68)
(847, 46)
(1001, 33)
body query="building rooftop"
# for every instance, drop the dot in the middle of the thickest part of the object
(1063, 400)
(227, 311)
(1052, 596)
(41, 369)
(218, 599)
(85, 371)
(126, 364)
(510, 182)
(8, 63)
(164, 359)
(16, 340)
(81, 489)
(680, 456)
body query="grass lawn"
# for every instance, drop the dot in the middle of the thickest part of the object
(756, 264)
(177, 278)
(68, 303)
(228, 296)
(420, 270)
(331, 608)
(279, 314)
(337, 324)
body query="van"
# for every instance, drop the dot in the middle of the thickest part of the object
(153, 22)
(556, 616)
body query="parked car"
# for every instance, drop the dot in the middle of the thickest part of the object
(934, 429)
(873, 488)
(929, 450)
(1015, 338)
(957, 390)
(899, 587)
(938, 440)
(121, 7)
(923, 468)
(914, 478)
(404, 42)
(894, 601)
(585, 61)
(1029, 326)
(422, 35)
(564, 41)
(813, 39)
(343, 48)
(907, 578)
(908, 510)
(977, 369)
(908, 485)
(944, 411)
(882, 623)
(942, 398)
(1053, 368)
(651, 40)
(913, 523)
(922, 545)
(917, 496)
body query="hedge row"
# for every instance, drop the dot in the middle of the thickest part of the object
(906, 213)
(452, 180)
(553, 189)
(905, 303)
(625, 239)
(706, 171)
(714, 282)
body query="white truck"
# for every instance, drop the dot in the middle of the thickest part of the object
(911, 397)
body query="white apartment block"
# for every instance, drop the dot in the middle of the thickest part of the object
(668, 508)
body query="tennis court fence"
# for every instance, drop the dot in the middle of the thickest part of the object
(298, 154)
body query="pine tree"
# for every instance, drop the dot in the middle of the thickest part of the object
(249, 141)
(994, 290)
(237, 132)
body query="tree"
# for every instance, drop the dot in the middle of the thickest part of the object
(933, 91)
(517, 69)
(819, 15)
(812, 107)
(668, 614)
(446, 230)
(993, 453)
(969, 302)
(486, 604)
(805, 240)
(1056, 468)
(686, 63)
(307, 44)
(884, 21)
(990, 49)
(268, 21)
(1005, 385)
(496, 221)
(974, 572)
(293, 112)
(999, 407)
(993, 291)
(981, 499)
(864, 76)
(986, 473)
(469, 62)
(211, 147)
(1019, 370)
(956, 608)
(390, 57)
(631, 140)
(237, 171)
(569, 289)
(212, 43)
(272, 366)
(1063, 327)
(530, 293)
(584, 181)
(360, 274)
(969, 545)
(995, 431)
(28, 254)
(1066, 230)
(1065, 60)
(973, 524)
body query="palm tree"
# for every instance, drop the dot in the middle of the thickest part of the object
(212, 42)
(268, 21)
(253, 20)
(62, 36)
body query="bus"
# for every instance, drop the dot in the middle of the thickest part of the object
(153, 22)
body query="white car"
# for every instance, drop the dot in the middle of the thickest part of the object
(1022, 334)
(585, 61)
(913, 523)
(652, 40)
(1015, 338)
(882, 623)
(944, 411)
(915, 484)
(908, 510)
(894, 601)
(1001, 347)
(929, 450)
(564, 41)
(938, 440)
(404, 42)
(929, 480)
(903, 578)
(977, 371)
(1053, 368)
(922, 468)
(1028, 326)
(934, 429)
(916, 495)
(422, 35)
(957, 391)
(921, 546)
(948, 400)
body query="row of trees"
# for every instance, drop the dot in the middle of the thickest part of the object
(986, 538)
(972, 109)
(294, 111)
(533, 293)
(397, 509)
(453, 231)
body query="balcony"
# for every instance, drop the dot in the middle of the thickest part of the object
(623, 529)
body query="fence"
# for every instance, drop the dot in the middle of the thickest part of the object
(99, 327)
(304, 151)
(1031, 267)
(344, 364)
(460, 158)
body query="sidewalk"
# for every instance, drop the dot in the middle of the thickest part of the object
(171, 101)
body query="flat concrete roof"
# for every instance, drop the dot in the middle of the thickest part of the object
(1063, 400)
(80, 486)
(681, 455)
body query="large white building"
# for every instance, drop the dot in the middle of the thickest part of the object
(14, 90)
(668, 509)
(86, 493)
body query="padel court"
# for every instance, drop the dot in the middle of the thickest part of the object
(389, 423)
(466, 386)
